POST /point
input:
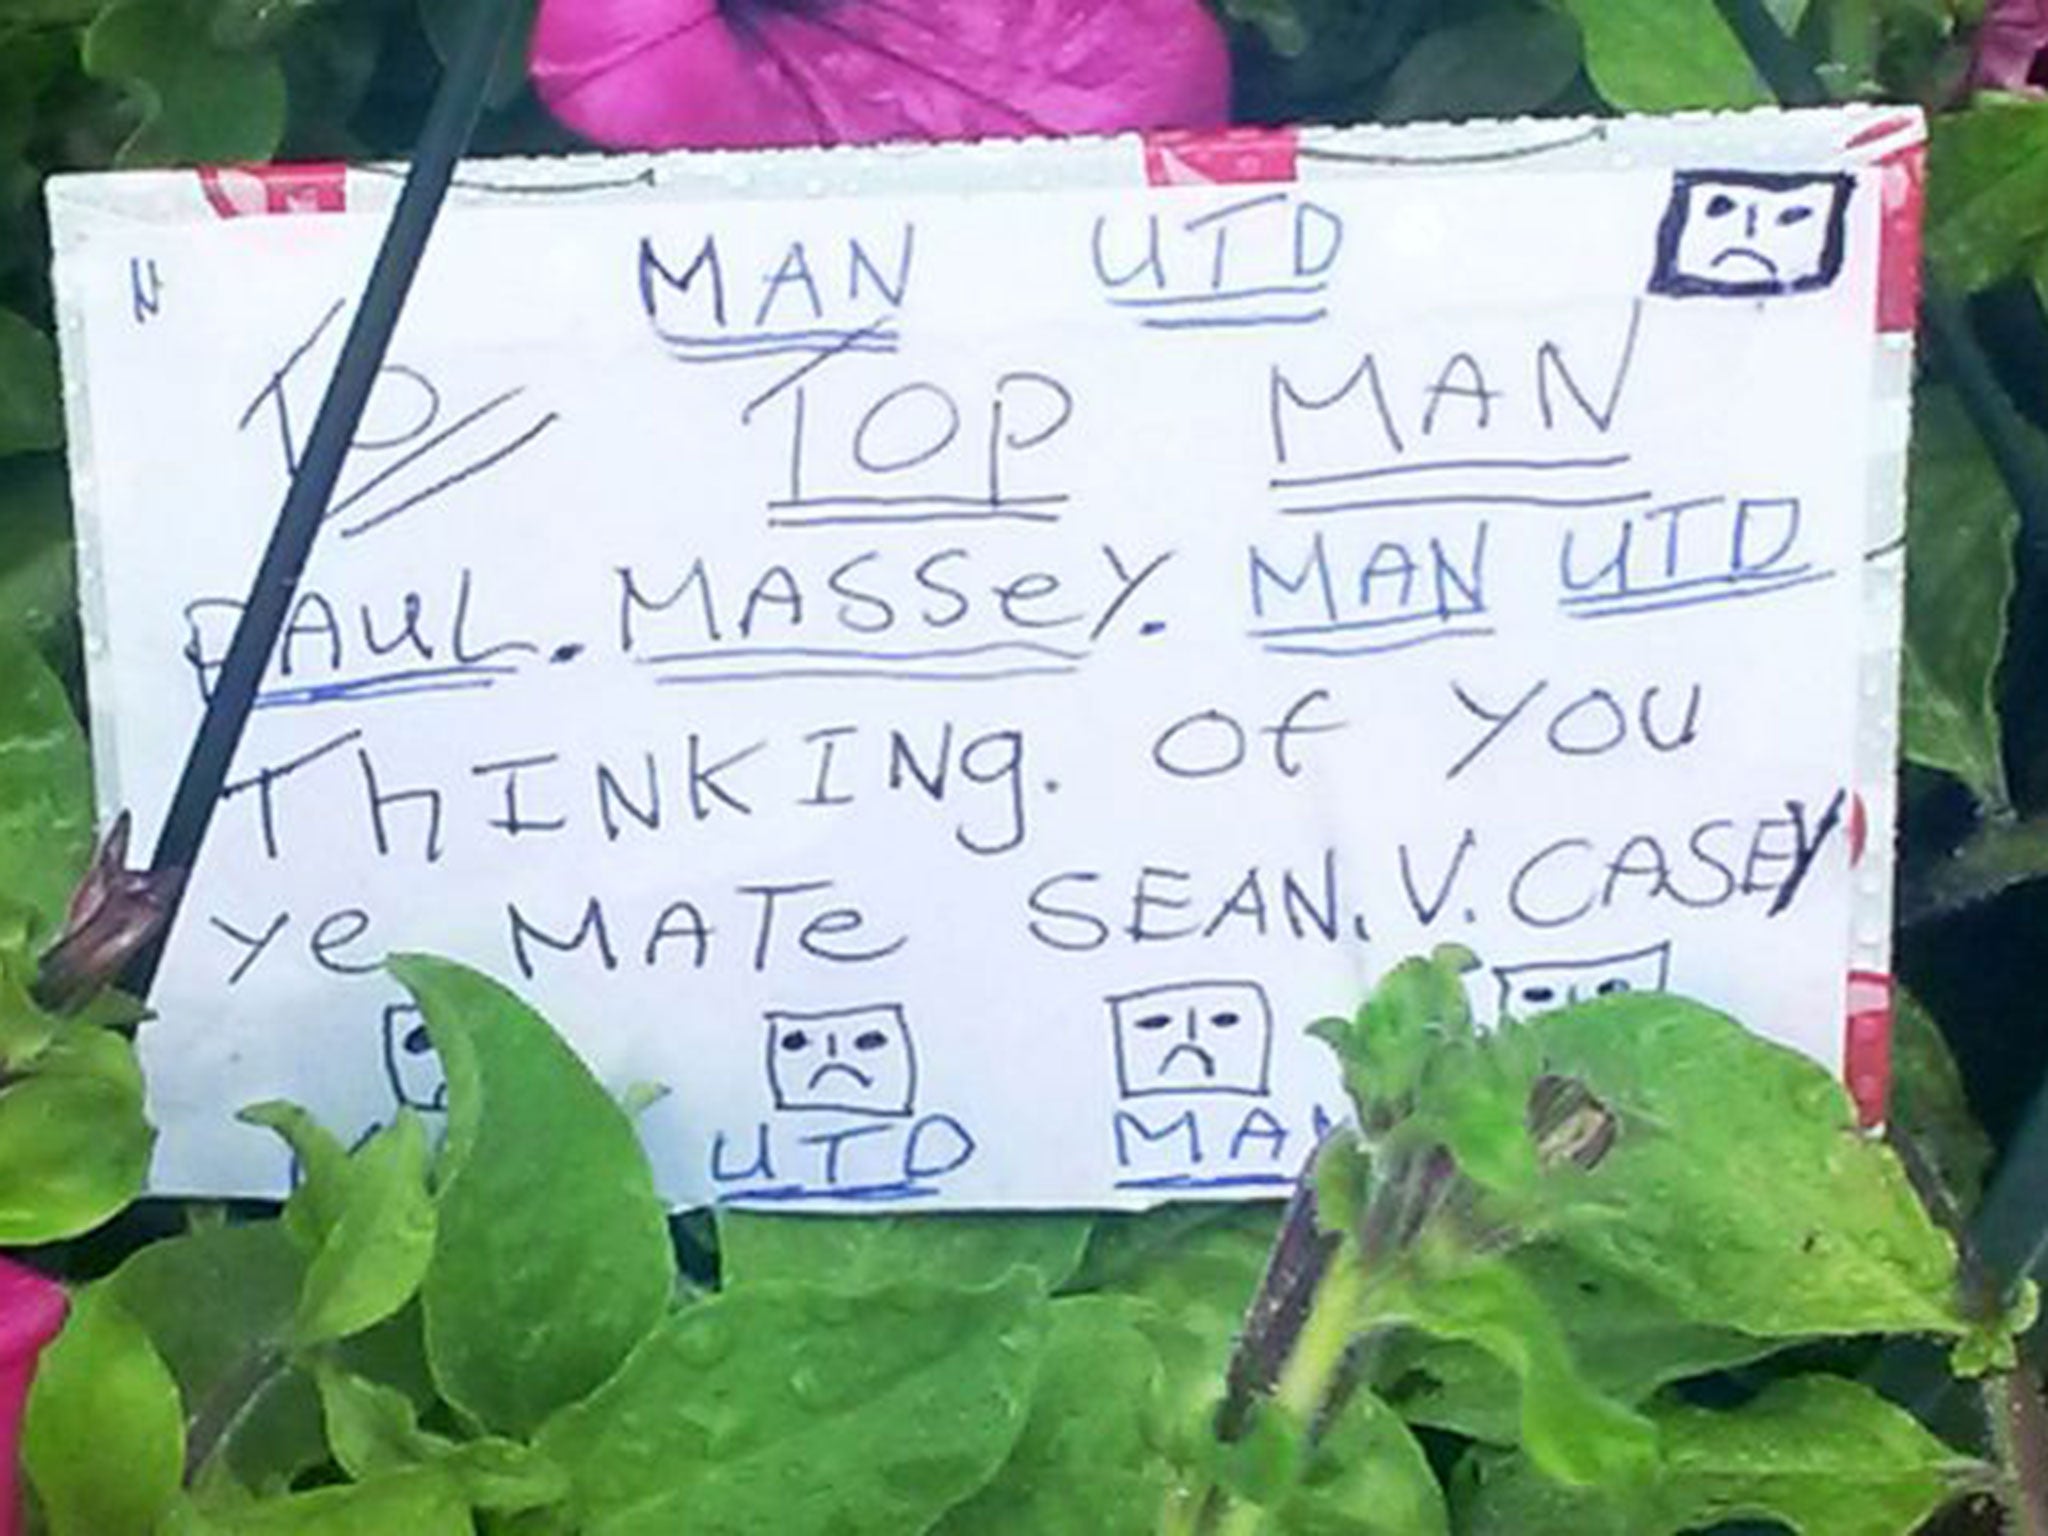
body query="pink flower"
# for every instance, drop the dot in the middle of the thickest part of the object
(656, 74)
(31, 1312)
(2010, 42)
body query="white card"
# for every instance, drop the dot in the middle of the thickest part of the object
(947, 660)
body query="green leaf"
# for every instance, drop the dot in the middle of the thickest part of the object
(364, 1219)
(1089, 1462)
(1626, 1340)
(1500, 64)
(1694, 1200)
(31, 417)
(203, 101)
(853, 1254)
(1199, 1284)
(74, 1146)
(1824, 1456)
(26, 1028)
(1124, 1246)
(1368, 1477)
(1665, 55)
(104, 1439)
(320, 1170)
(1568, 1427)
(1987, 192)
(1959, 585)
(250, 1418)
(553, 1256)
(45, 786)
(1385, 1048)
(375, 1432)
(786, 1408)
(1930, 1107)
(425, 1502)
(1995, 857)
(38, 587)
(1473, 1098)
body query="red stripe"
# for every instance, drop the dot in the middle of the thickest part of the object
(1180, 158)
(1901, 180)
(243, 191)
(1867, 1057)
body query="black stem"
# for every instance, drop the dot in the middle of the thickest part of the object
(443, 139)
(1784, 65)
(1300, 1256)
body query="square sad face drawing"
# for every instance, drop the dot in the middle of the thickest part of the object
(1751, 234)
(1193, 1037)
(860, 1060)
(1539, 986)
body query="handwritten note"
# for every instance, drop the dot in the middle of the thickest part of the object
(947, 660)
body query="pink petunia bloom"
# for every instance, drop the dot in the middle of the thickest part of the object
(657, 74)
(31, 1312)
(2010, 42)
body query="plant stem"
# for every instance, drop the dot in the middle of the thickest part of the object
(1316, 1364)
(1325, 1336)
(224, 1408)
(2019, 1431)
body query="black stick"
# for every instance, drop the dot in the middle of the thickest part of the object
(446, 135)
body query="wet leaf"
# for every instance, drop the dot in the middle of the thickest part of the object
(1626, 1340)
(1090, 1461)
(1665, 56)
(786, 1408)
(104, 1439)
(553, 1255)
(1959, 586)
(375, 1432)
(1693, 1200)
(1567, 1426)
(865, 1253)
(1368, 1477)
(1822, 1456)
(424, 1502)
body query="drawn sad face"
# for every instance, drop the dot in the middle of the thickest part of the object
(1750, 234)
(410, 1064)
(1193, 1037)
(1527, 990)
(855, 1059)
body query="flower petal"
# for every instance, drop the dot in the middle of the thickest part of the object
(657, 74)
(2010, 41)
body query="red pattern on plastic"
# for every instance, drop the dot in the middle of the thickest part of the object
(1234, 154)
(1902, 182)
(243, 191)
(1867, 1057)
